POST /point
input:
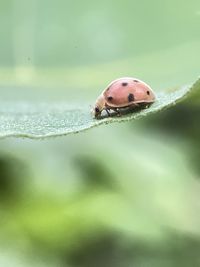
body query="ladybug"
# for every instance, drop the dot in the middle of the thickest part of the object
(124, 93)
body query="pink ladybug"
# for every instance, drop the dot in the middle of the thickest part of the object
(124, 93)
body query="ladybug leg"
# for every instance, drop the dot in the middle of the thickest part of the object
(108, 113)
(136, 105)
(147, 105)
(118, 112)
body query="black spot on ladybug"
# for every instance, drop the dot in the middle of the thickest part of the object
(136, 81)
(130, 97)
(148, 93)
(110, 98)
(124, 84)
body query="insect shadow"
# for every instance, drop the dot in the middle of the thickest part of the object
(123, 111)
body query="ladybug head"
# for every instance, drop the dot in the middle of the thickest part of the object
(99, 106)
(97, 111)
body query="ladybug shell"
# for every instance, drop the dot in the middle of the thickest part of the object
(125, 92)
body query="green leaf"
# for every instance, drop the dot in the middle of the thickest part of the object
(56, 119)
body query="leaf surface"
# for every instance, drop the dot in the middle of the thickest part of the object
(43, 120)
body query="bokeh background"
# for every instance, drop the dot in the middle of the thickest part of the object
(118, 195)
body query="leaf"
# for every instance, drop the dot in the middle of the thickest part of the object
(48, 120)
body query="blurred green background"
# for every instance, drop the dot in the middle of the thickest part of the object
(119, 195)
